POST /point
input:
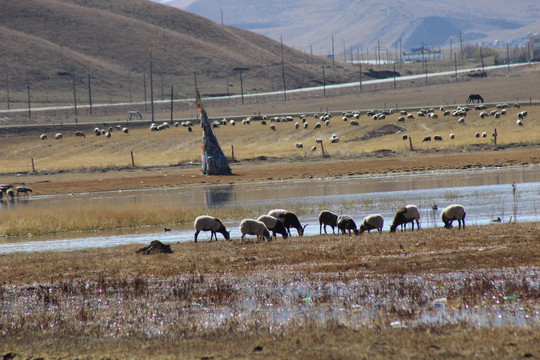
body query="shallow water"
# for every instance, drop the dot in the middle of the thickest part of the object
(486, 194)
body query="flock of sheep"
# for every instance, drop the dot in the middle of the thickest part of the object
(97, 131)
(10, 193)
(280, 221)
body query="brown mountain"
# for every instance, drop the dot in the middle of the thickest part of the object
(45, 41)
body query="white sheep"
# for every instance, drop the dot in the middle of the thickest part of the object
(407, 214)
(212, 224)
(274, 225)
(317, 125)
(329, 218)
(334, 139)
(519, 123)
(299, 145)
(461, 121)
(254, 227)
(297, 125)
(451, 213)
(318, 140)
(306, 125)
(43, 137)
(289, 220)
(58, 136)
(371, 222)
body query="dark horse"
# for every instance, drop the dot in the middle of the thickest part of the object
(475, 97)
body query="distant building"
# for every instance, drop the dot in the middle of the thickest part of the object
(534, 48)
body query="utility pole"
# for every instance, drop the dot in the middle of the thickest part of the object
(129, 85)
(28, 90)
(74, 95)
(333, 57)
(151, 89)
(460, 44)
(283, 71)
(482, 58)
(323, 82)
(172, 104)
(227, 72)
(145, 102)
(7, 86)
(89, 90)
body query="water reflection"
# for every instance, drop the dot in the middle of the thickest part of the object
(486, 195)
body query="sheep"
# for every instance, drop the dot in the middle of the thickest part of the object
(372, 222)
(354, 123)
(427, 138)
(313, 148)
(437, 138)
(403, 112)
(272, 127)
(107, 134)
(297, 125)
(318, 125)
(212, 224)
(43, 137)
(23, 190)
(233, 123)
(125, 130)
(329, 218)
(327, 122)
(405, 137)
(346, 223)
(522, 115)
(433, 116)
(519, 123)
(306, 125)
(484, 134)
(451, 213)
(401, 119)
(289, 219)
(254, 227)
(410, 116)
(334, 139)
(274, 225)
(452, 136)
(477, 134)
(318, 140)
(299, 145)
(58, 136)
(79, 133)
(407, 214)
(461, 121)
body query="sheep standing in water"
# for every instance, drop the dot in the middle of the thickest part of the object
(346, 223)
(407, 214)
(254, 227)
(289, 219)
(23, 190)
(329, 218)
(274, 225)
(212, 224)
(372, 222)
(451, 213)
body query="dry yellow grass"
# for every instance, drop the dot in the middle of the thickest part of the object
(177, 145)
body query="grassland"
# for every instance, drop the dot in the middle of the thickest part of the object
(320, 296)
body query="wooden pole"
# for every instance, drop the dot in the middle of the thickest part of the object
(322, 148)
(172, 104)
(410, 144)
(33, 167)
(132, 160)
(232, 151)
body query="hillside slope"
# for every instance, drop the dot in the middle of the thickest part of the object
(44, 41)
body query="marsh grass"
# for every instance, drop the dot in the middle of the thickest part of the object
(367, 297)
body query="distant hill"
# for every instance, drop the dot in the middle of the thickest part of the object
(361, 24)
(45, 41)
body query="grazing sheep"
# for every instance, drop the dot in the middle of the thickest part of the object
(79, 133)
(318, 140)
(189, 129)
(346, 223)
(272, 127)
(334, 139)
(484, 134)
(23, 190)
(233, 123)
(43, 137)
(273, 225)
(401, 119)
(297, 125)
(407, 214)
(461, 121)
(254, 227)
(477, 134)
(452, 136)
(519, 122)
(107, 134)
(329, 218)
(327, 122)
(354, 123)
(212, 224)
(403, 112)
(522, 115)
(318, 125)
(306, 125)
(427, 138)
(451, 213)
(313, 148)
(372, 222)
(289, 219)
(125, 130)
(299, 145)
(433, 115)
(58, 136)
(10, 193)
(437, 138)
(410, 116)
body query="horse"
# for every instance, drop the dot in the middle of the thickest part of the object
(475, 97)
(134, 114)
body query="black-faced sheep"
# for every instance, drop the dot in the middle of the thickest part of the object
(299, 145)
(254, 227)
(427, 138)
(79, 133)
(372, 222)
(212, 224)
(289, 219)
(43, 137)
(23, 190)
(273, 225)
(407, 214)
(58, 136)
(346, 223)
(327, 218)
(451, 213)
(437, 138)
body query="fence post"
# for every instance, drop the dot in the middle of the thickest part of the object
(232, 151)
(132, 159)
(33, 168)
(410, 144)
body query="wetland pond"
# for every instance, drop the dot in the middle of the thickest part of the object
(487, 194)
